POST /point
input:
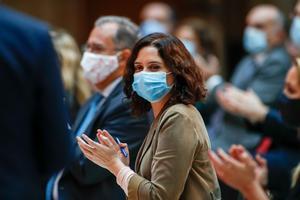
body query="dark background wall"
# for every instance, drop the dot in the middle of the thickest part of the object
(78, 16)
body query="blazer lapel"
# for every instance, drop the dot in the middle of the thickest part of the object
(148, 140)
(145, 146)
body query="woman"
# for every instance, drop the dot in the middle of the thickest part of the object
(197, 38)
(173, 160)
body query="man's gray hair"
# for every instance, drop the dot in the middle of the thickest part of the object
(127, 33)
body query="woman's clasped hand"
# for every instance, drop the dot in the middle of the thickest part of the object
(105, 153)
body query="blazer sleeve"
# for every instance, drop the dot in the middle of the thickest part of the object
(176, 146)
(119, 123)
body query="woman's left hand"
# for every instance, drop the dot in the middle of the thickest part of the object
(104, 135)
(104, 154)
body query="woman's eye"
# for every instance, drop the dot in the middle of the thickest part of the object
(138, 68)
(154, 67)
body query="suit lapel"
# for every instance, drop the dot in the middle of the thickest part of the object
(82, 114)
(99, 117)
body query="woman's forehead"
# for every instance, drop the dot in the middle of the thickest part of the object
(148, 54)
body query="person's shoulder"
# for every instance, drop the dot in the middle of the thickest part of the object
(117, 100)
(119, 96)
(244, 60)
(280, 49)
(279, 54)
(180, 107)
(17, 21)
(181, 111)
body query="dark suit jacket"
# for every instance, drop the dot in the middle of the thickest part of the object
(84, 179)
(266, 79)
(34, 138)
(273, 126)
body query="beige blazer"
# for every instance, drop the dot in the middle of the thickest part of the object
(173, 161)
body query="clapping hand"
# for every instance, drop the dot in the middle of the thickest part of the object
(242, 103)
(238, 169)
(105, 153)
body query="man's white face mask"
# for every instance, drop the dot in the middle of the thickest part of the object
(97, 67)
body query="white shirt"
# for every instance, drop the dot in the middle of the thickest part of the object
(108, 90)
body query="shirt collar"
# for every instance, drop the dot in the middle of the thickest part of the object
(108, 90)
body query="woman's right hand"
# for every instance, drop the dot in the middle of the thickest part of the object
(106, 153)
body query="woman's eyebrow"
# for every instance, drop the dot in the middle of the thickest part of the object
(155, 62)
(151, 62)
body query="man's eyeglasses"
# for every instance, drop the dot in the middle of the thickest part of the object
(98, 49)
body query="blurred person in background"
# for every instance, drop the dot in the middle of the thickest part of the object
(285, 143)
(294, 45)
(262, 70)
(267, 120)
(35, 141)
(157, 17)
(76, 87)
(173, 161)
(107, 50)
(241, 171)
(197, 38)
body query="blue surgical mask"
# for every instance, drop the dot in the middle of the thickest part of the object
(295, 31)
(152, 26)
(255, 40)
(190, 46)
(151, 86)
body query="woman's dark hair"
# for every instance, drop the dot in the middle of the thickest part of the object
(188, 79)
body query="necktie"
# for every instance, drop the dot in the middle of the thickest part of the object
(90, 114)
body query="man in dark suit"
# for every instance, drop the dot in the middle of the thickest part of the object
(262, 70)
(35, 141)
(104, 60)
